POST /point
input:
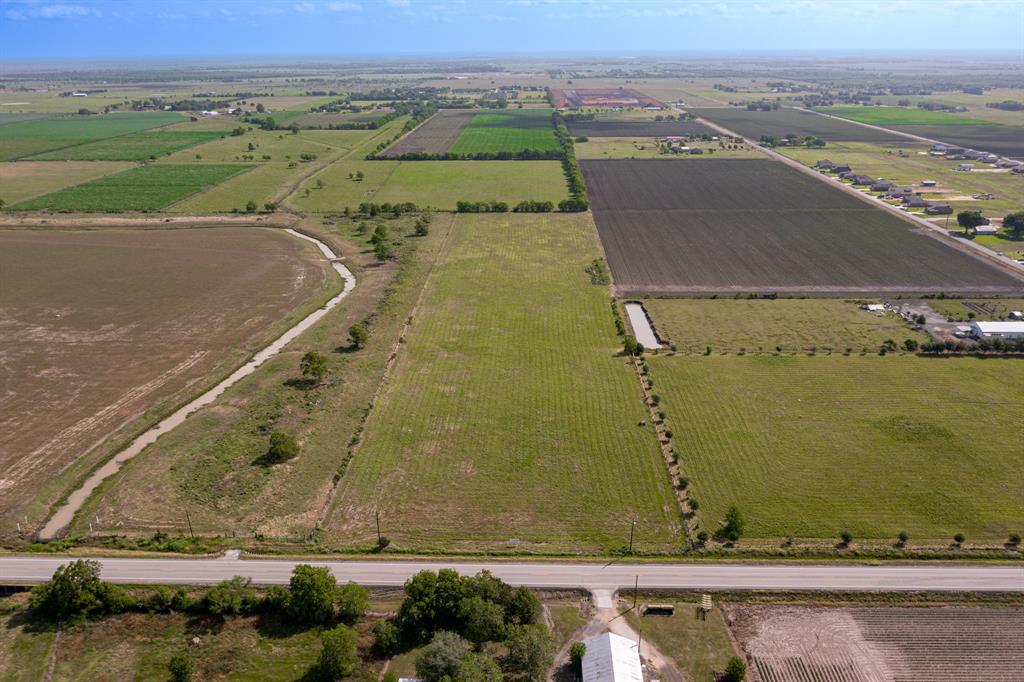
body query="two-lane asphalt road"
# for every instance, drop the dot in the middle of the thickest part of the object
(587, 576)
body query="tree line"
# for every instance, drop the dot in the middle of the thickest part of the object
(577, 200)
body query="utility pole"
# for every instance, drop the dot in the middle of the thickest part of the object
(189, 519)
(631, 530)
(636, 586)
(376, 513)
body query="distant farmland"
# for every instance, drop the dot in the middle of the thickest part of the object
(638, 128)
(100, 326)
(781, 122)
(132, 147)
(38, 135)
(816, 445)
(144, 188)
(436, 136)
(485, 434)
(741, 225)
(579, 98)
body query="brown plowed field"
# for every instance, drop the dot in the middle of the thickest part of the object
(638, 128)
(740, 225)
(97, 327)
(435, 136)
(948, 644)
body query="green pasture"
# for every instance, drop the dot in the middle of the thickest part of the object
(438, 184)
(510, 417)
(900, 116)
(131, 147)
(144, 188)
(508, 130)
(38, 135)
(813, 446)
(763, 326)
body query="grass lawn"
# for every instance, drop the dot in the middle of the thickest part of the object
(965, 310)
(509, 412)
(795, 325)
(144, 188)
(25, 138)
(645, 148)
(21, 180)
(699, 647)
(507, 130)
(883, 116)
(438, 184)
(874, 445)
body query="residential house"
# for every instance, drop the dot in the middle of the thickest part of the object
(938, 208)
(824, 164)
(860, 180)
(841, 168)
(881, 186)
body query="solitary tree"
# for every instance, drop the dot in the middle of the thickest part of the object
(442, 656)
(531, 651)
(352, 600)
(180, 667)
(969, 220)
(339, 655)
(847, 537)
(735, 670)
(733, 526)
(358, 335)
(359, 176)
(314, 366)
(250, 206)
(312, 592)
(903, 537)
(75, 592)
(283, 446)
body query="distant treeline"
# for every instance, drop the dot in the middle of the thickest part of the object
(524, 155)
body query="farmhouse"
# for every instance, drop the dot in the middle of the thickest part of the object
(1013, 329)
(824, 164)
(611, 658)
(912, 201)
(841, 169)
(938, 209)
(881, 186)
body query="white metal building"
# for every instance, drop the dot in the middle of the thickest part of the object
(1013, 329)
(611, 658)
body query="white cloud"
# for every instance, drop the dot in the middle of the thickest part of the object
(338, 6)
(304, 7)
(55, 11)
(397, 3)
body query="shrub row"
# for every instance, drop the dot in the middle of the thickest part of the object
(577, 200)
(524, 155)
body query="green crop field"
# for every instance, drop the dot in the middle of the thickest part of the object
(875, 445)
(144, 188)
(794, 325)
(509, 412)
(438, 184)
(38, 135)
(131, 147)
(510, 130)
(883, 116)
(20, 180)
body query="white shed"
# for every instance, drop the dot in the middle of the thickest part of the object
(1002, 330)
(611, 658)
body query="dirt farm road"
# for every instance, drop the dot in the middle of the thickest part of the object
(21, 569)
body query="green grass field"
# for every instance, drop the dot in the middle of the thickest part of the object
(794, 325)
(509, 130)
(20, 180)
(816, 445)
(38, 135)
(438, 184)
(144, 188)
(131, 147)
(700, 647)
(884, 116)
(509, 412)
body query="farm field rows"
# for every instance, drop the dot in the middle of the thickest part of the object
(812, 446)
(325, 119)
(434, 136)
(143, 188)
(646, 148)
(35, 136)
(438, 184)
(878, 644)
(756, 326)
(214, 464)
(130, 147)
(605, 128)
(754, 124)
(965, 131)
(507, 130)
(111, 324)
(20, 180)
(510, 416)
(742, 225)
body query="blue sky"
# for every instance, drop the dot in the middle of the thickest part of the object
(62, 29)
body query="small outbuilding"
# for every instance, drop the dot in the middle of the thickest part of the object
(612, 658)
(986, 229)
